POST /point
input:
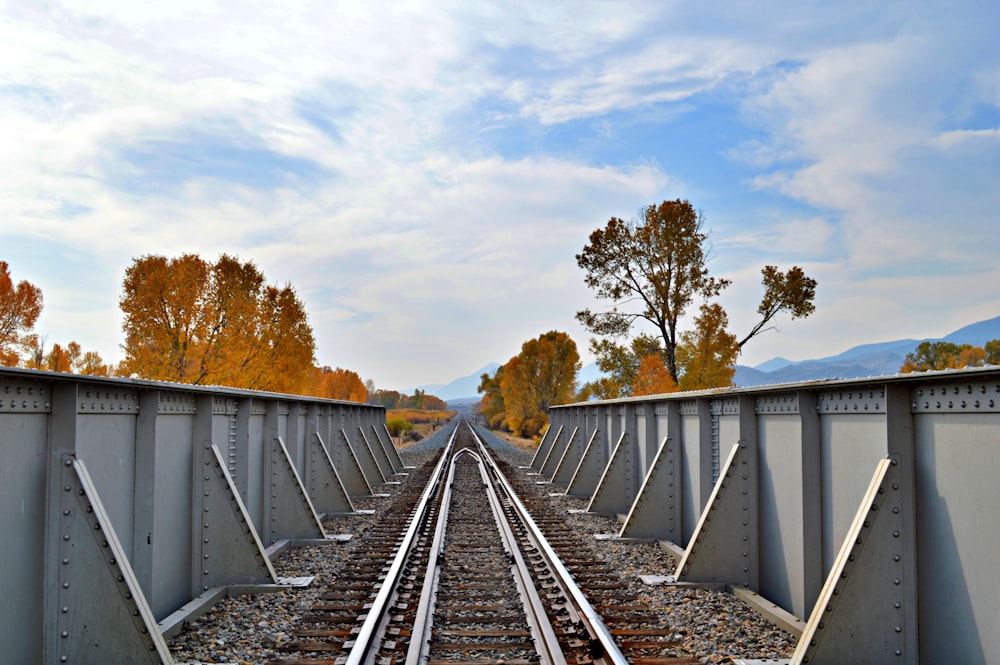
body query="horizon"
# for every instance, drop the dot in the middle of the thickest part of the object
(424, 175)
(782, 362)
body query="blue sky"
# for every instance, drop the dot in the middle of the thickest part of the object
(423, 173)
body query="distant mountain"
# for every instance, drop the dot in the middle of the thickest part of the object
(462, 387)
(879, 359)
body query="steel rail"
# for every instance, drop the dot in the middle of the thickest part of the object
(588, 615)
(420, 632)
(543, 636)
(375, 621)
(546, 642)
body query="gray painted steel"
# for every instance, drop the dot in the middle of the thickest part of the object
(358, 442)
(556, 451)
(814, 453)
(180, 482)
(570, 459)
(544, 445)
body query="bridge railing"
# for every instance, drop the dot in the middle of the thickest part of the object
(126, 501)
(865, 507)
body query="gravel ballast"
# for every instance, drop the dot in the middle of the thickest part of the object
(714, 626)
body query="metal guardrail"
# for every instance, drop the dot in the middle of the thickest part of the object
(864, 506)
(126, 501)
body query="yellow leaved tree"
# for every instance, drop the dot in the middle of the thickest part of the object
(191, 321)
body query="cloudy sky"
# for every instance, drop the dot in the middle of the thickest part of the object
(423, 173)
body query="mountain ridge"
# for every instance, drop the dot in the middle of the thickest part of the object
(874, 359)
(863, 360)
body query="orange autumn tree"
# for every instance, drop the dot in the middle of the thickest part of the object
(708, 353)
(190, 321)
(653, 377)
(542, 375)
(342, 384)
(491, 406)
(20, 307)
(71, 359)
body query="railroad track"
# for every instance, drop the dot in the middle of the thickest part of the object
(458, 571)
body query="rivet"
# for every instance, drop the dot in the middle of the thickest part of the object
(895, 534)
(899, 629)
(65, 610)
(899, 652)
(896, 558)
(66, 511)
(65, 585)
(65, 633)
(897, 605)
(65, 536)
(67, 462)
(67, 488)
(65, 562)
(897, 581)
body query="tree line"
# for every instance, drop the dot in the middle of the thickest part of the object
(188, 320)
(940, 355)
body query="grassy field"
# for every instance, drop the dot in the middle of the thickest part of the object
(424, 422)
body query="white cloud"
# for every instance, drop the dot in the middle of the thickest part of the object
(317, 140)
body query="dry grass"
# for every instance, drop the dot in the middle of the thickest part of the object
(529, 445)
(424, 421)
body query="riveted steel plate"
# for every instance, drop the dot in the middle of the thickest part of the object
(689, 408)
(18, 396)
(787, 404)
(870, 400)
(222, 406)
(970, 397)
(729, 406)
(177, 404)
(107, 401)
